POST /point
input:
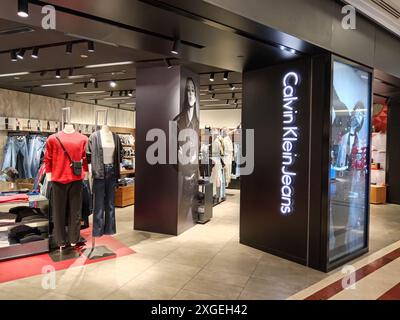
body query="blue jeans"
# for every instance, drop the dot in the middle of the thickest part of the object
(17, 146)
(36, 149)
(104, 203)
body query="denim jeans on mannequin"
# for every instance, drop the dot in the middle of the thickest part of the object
(36, 148)
(104, 203)
(17, 146)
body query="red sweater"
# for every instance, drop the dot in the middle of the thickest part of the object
(57, 162)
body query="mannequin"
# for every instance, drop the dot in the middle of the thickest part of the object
(66, 190)
(104, 152)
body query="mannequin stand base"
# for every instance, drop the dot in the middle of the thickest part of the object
(66, 254)
(98, 253)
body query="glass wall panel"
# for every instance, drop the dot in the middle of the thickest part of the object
(349, 154)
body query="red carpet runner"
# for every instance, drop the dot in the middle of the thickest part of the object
(31, 266)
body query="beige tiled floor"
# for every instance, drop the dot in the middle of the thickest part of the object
(206, 262)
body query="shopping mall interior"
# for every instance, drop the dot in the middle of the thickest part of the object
(94, 75)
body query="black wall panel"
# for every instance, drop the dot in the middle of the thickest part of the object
(262, 224)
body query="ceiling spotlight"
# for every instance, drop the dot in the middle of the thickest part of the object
(227, 101)
(96, 85)
(233, 96)
(91, 46)
(111, 93)
(226, 75)
(23, 9)
(168, 62)
(68, 49)
(120, 93)
(84, 56)
(212, 77)
(95, 101)
(130, 93)
(232, 86)
(92, 80)
(66, 96)
(58, 74)
(85, 85)
(283, 48)
(20, 54)
(126, 93)
(213, 96)
(236, 101)
(113, 84)
(176, 46)
(210, 88)
(14, 56)
(292, 51)
(35, 53)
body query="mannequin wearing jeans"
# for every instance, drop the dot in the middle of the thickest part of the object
(103, 144)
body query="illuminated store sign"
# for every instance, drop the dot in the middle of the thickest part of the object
(290, 137)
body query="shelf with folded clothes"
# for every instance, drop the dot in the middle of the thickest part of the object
(24, 228)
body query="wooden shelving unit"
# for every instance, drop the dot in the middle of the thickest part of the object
(125, 196)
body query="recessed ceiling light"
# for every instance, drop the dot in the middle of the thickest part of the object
(57, 84)
(113, 84)
(84, 56)
(89, 92)
(13, 74)
(111, 64)
(115, 98)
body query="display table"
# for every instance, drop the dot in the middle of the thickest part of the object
(378, 194)
(125, 196)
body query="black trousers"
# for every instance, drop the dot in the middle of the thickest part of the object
(66, 209)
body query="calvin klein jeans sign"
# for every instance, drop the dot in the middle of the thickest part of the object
(289, 140)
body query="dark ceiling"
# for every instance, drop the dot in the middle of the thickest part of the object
(42, 71)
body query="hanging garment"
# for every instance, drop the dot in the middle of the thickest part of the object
(228, 158)
(36, 152)
(16, 156)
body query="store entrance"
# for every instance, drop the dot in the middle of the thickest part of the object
(384, 198)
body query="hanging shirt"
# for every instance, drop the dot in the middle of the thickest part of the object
(57, 162)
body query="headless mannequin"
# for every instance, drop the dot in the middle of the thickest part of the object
(104, 188)
(68, 129)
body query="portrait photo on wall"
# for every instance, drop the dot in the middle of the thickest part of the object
(349, 147)
(188, 151)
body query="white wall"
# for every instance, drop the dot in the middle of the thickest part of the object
(229, 118)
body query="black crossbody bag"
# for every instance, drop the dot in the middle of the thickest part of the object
(76, 166)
